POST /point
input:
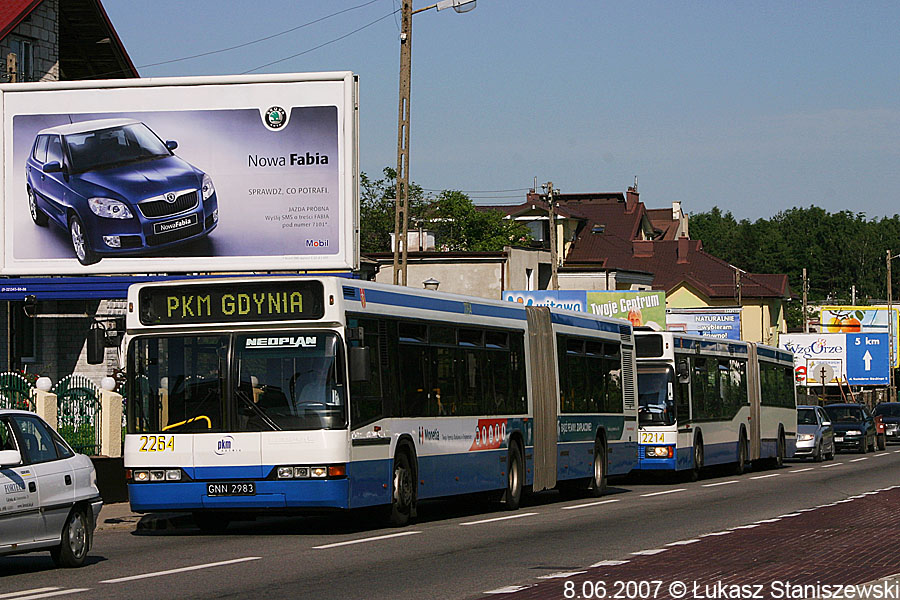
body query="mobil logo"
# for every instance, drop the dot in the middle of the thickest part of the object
(490, 434)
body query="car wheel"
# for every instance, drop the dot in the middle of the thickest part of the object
(882, 442)
(37, 215)
(820, 452)
(75, 541)
(830, 455)
(80, 243)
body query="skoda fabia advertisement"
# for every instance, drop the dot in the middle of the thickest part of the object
(182, 175)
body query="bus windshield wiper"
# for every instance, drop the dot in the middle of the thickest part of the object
(259, 412)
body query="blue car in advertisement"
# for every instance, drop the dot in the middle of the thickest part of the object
(117, 188)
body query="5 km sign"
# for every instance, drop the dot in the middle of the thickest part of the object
(867, 359)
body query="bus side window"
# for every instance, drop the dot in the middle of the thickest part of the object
(366, 397)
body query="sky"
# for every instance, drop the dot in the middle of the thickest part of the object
(754, 107)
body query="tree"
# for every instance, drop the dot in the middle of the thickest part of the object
(454, 219)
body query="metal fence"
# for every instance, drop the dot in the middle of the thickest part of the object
(16, 391)
(79, 415)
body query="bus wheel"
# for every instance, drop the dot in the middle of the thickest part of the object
(514, 478)
(779, 451)
(402, 494)
(597, 484)
(698, 459)
(741, 466)
(211, 523)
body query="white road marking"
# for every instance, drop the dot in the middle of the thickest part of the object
(183, 569)
(831, 465)
(34, 591)
(609, 563)
(37, 593)
(364, 540)
(766, 521)
(753, 526)
(882, 454)
(683, 542)
(664, 492)
(649, 552)
(562, 575)
(516, 516)
(766, 476)
(720, 483)
(802, 470)
(510, 589)
(896, 451)
(716, 533)
(794, 514)
(590, 504)
(859, 459)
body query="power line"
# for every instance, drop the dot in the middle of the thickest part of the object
(258, 40)
(337, 39)
(482, 191)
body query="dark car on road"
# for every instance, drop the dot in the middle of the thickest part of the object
(815, 435)
(890, 416)
(854, 427)
(117, 188)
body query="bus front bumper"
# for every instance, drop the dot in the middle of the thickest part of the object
(192, 495)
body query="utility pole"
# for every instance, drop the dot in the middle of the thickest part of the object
(551, 209)
(892, 391)
(401, 204)
(805, 313)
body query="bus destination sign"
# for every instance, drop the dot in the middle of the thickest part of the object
(231, 302)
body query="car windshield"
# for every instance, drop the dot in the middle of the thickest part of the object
(888, 410)
(183, 384)
(844, 414)
(656, 386)
(115, 146)
(806, 416)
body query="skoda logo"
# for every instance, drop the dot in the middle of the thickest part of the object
(170, 197)
(275, 117)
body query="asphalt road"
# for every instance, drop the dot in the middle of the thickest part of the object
(457, 549)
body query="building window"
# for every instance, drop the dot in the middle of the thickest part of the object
(24, 51)
(23, 335)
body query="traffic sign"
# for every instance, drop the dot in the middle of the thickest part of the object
(867, 359)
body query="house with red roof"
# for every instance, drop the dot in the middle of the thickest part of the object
(54, 40)
(611, 241)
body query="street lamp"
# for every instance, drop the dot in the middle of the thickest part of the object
(401, 216)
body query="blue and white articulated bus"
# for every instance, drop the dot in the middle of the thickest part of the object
(298, 394)
(707, 402)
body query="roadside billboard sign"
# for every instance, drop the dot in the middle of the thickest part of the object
(867, 359)
(724, 323)
(193, 174)
(812, 350)
(642, 308)
(861, 319)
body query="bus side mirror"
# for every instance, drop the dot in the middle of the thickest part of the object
(359, 364)
(96, 344)
(684, 372)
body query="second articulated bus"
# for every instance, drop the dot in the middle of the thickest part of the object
(707, 402)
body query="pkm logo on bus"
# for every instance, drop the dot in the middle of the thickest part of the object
(490, 434)
(225, 445)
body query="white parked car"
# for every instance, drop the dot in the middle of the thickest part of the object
(48, 494)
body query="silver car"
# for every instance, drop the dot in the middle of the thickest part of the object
(815, 435)
(48, 493)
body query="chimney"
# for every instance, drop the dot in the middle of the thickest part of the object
(684, 245)
(642, 248)
(631, 200)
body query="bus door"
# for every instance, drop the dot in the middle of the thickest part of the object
(753, 390)
(544, 396)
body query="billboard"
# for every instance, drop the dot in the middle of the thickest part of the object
(180, 175)
(642, 308)
(860, 319)
(723, 323)
(855, 358)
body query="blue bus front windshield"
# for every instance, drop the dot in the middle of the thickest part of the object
(246, 382)
(656, 395)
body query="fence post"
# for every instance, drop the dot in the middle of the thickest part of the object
(111, 427)
(45, 402)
